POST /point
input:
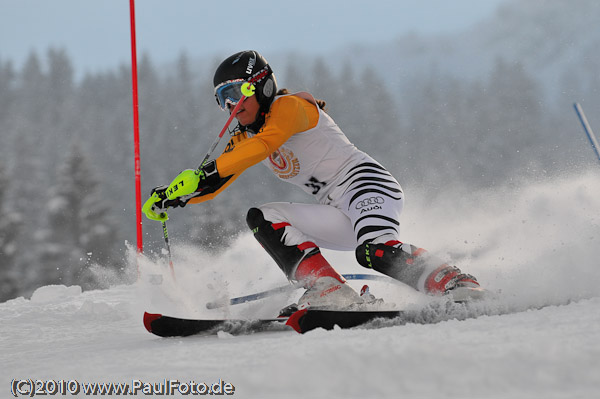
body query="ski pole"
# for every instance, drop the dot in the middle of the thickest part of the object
(588, 129)
(247, 91)
(166, 236)
(289, 288)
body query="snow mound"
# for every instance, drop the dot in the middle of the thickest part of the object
(52, 293)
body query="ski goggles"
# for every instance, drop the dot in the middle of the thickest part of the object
(229, 92)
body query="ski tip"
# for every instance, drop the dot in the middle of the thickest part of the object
(294, 320)
(149, 318)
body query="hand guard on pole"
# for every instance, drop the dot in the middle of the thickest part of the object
(188, 184)
(155, 208)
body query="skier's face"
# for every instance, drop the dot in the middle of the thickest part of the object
(247, 112)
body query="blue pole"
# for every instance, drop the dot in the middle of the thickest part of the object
(588, 129)
(291, 287)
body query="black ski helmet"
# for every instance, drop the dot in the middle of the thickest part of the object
(253, 67)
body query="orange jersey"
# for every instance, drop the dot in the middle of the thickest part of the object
(299, 142)
(288, 115)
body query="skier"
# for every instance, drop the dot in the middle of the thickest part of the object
(359, 201)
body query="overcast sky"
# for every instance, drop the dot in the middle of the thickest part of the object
(96, 33)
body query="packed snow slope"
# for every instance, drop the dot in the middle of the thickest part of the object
(536, 245)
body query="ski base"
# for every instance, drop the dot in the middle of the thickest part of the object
(167, 326)
(301, 321)
(309, 319)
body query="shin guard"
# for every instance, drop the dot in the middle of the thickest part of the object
(302, 262)
(270, 236)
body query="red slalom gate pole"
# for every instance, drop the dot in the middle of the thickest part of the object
(136, 133)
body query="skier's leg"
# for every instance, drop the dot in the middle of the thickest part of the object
(286, 244)
(413, 266)
(298, 255)
(324, 225)
(373, 201)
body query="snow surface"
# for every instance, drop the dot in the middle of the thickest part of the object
(535, 244)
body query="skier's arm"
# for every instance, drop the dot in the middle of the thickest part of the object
(288, 115)
(224, 182)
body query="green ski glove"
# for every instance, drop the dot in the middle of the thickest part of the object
(191, 182)
(188, 184)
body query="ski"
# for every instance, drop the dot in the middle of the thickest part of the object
(463, 304)
(305, 320)
(301, 321)
(167, 326)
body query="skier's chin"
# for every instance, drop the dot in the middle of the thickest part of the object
(244, 119)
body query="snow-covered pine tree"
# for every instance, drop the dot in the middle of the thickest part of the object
(80, 232)
(9, 229)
